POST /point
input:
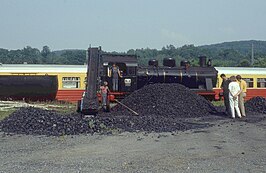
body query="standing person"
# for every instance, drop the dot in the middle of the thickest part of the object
(224, 87)
(242, 95)
(104, 94)
(234, 91)
(115, 74)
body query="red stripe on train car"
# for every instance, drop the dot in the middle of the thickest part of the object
(251, 92)
(254, 92)
(75, 95)
(69, 95)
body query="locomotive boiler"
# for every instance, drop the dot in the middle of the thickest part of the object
(200, 78)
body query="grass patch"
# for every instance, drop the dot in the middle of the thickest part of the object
(6, 113)
(61, 107)
(218, 103)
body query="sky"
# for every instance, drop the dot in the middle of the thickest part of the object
(120, 25)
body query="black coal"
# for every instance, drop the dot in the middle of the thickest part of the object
(38, 121)
(161, 108)
(166, 100)
(256, 104)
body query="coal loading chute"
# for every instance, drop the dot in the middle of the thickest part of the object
(89, 102)
(20, 87)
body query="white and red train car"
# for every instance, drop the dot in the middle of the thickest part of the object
(254, 76)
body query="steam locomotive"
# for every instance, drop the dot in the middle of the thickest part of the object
(200, 79)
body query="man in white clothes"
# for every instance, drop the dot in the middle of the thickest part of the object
(234, 91)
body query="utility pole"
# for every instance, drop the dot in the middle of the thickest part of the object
(252, 55)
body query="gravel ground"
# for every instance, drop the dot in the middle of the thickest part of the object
(228, 146)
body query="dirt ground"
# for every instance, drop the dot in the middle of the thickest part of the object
(228, 146)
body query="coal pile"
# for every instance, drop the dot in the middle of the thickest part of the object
(42, 122)
(35, 121)
(256, 104)
(166, 100)
(151, 123)
(161, 108)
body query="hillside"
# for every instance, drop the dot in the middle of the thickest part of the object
(243, 47)
(236, 53)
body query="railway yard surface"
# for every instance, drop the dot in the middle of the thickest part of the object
(227, 146)
(174, 132)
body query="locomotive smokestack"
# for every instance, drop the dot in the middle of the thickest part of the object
(202, 61)
(153, 62)
(169, 62)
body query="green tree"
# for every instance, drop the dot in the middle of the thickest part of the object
(74, 57)
(30, 55)
(244, 63)
(3, 55)
(45, 53)
(14, 57)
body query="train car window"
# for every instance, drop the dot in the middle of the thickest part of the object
(71, 82)
(249, 82)
(261, 82)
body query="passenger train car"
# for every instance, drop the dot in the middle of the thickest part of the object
(42, 82)
(67, 82)
(255, 78)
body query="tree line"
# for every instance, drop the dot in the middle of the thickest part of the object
(31, 55)
(224, 54)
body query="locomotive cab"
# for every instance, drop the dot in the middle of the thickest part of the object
(127, 65)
